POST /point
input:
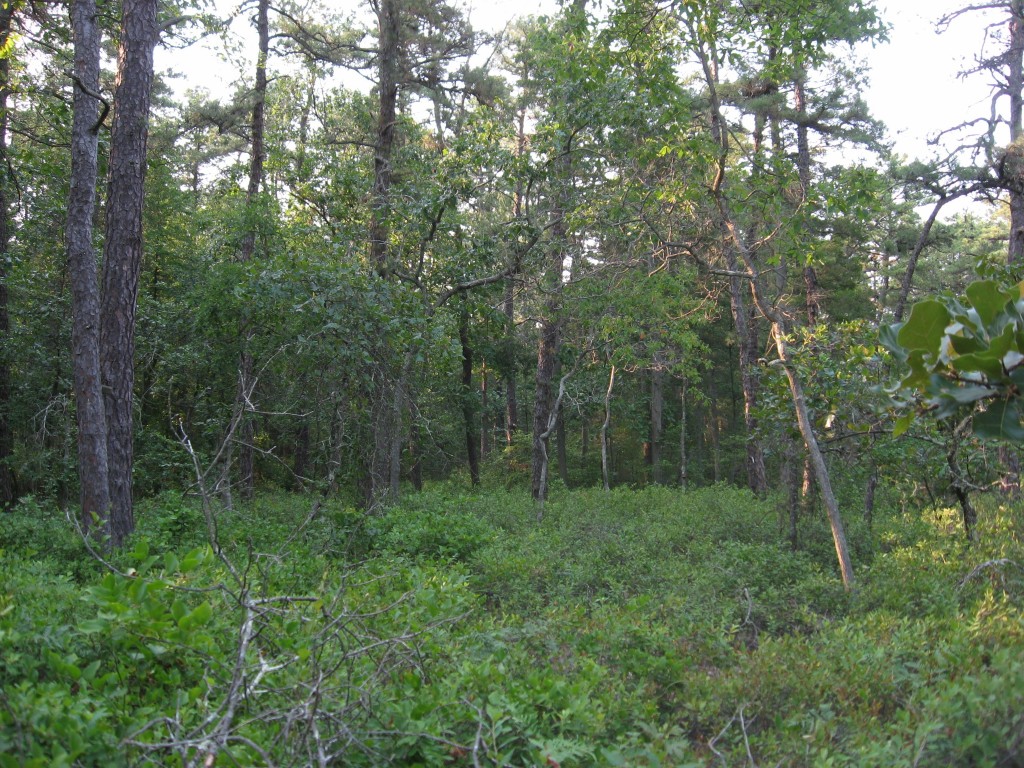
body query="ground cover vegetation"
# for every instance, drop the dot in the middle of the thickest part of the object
(592, 393)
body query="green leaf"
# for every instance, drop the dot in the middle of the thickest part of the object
(1002, 343)
(991, 367)
(888, 337)
(988, 299)
(926, 327)
(903, 424)
(141, 549)
(1001, 420)
(965, 345)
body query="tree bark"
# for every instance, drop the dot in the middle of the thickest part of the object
(387, 114)
(6, 436)
(93, 478)
(1015, 89)
(122, 256)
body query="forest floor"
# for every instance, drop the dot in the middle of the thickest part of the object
(634, 628)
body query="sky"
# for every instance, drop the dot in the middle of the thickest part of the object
(915, 88)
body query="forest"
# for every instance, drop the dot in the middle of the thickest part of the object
(601, 390)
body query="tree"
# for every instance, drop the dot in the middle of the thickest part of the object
(94, 490)
(6, 436)
(702, 24)
(257, 129)
(122, 253)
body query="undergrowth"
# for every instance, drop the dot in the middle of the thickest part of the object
(636, 628)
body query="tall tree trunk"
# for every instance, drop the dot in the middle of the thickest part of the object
(561, 449)
(1015, 89)
(684, 469)
(550, 331)
(812, 288)
(714, 436)
(605, 426)
(657, 421)
(468, 397)
(547, 351)
(122, 254)
(93, 479)
(300, 466)
(746, 336)
(508, 298)
(6, 436)
(387, 114)
(511, 399)
(257, 150)
(485, 422)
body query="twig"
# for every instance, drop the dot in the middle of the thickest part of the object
(983, 566)
(721, 733)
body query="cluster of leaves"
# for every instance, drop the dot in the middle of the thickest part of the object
(965, 356)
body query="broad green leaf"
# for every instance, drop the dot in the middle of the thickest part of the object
(926, 327)
(972, 394)
(988, 299)
(919, 373)
(903, 424)
(888, 337)
(1001, 420)
(1002, 343)
(992, 367)
(965, 345)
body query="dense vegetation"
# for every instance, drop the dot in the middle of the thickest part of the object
(592, 393)
(632, 628)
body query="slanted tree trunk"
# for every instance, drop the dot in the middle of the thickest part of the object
(94, 489)
(6, 436)
(122, 254)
